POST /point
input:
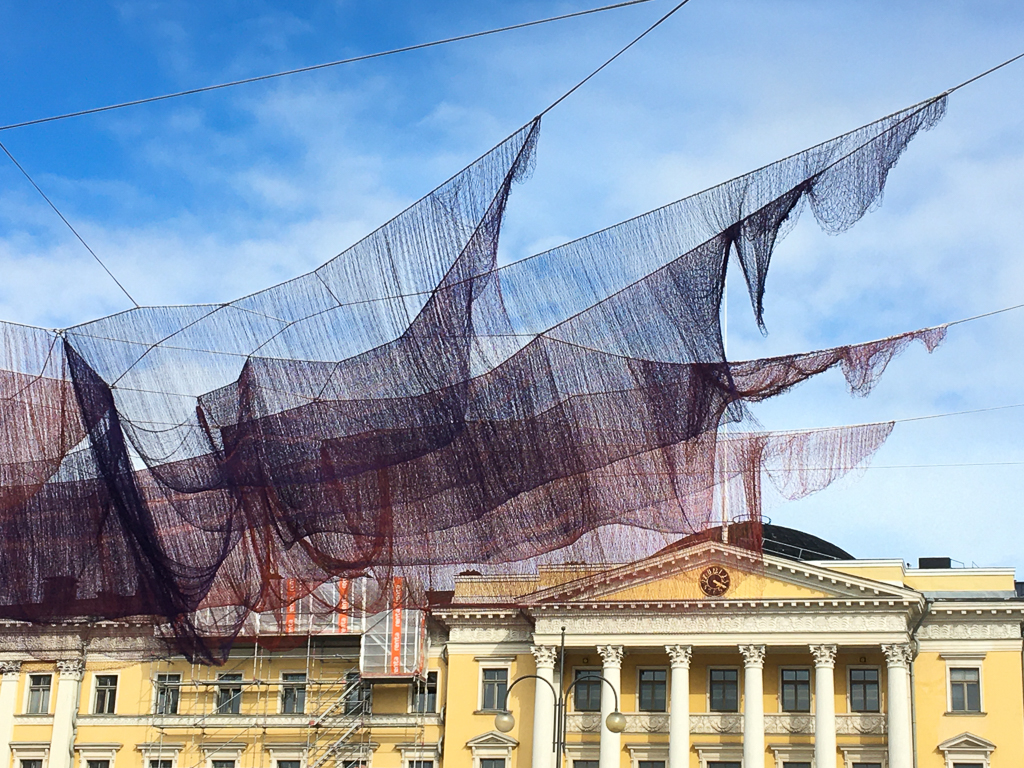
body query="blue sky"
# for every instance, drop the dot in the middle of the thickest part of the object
(213, 196)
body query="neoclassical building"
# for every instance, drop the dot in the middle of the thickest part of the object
(716, 657)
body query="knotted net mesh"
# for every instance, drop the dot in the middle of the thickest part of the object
(411, 407)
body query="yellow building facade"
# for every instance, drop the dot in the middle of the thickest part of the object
(717, 658)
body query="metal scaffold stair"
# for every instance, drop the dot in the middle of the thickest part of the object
(332, 730)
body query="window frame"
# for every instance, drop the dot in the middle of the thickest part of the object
(781, 690)
(220, 685)
(585, 668)
(292, 684)
(166, 685)
(94, 690)
(426, 692)
(965, 661)
(639, 682)
(849, 690)
(484, 665)
(739, 689)
(28, 699)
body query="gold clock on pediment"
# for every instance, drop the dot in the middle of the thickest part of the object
(714, 581)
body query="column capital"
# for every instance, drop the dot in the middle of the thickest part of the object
(824, 655)
(898, 655)
(753, 655)
(611, 655)
(10, 667)
(71, 669)
(544, 655)
(679, 655)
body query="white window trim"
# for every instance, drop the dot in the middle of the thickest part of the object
(49, 703)
(492, 746)
(499, 662)
(964, 661)
(810, 688)
(582, 751)
(636, 697)
(572, 697)
(411, 752)
(290, 684)
(279, 751)
(437, 695)
(796, 753)
(97, 751)
(160, 751)
(709, 753)
(156, 687)
(881, 693)
(860, 753)
(30, 750)
(707, 689)
(220, 683)
(955, 750)
(222, 751)
(92, 693)
(638, 752)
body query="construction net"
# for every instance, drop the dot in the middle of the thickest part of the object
(411, 407)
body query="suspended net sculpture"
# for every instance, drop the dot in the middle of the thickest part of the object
(410, 407)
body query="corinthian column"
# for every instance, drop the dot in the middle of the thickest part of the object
(65, 711)
(679, 707)
(753, 705)
(901, 749)
(544, 707)
(611, 745)
(824, 705)
(8, 702)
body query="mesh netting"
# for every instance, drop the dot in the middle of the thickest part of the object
(410, 407)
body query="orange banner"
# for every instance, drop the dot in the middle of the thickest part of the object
(343, 605)
(291, 595)
(395, 649)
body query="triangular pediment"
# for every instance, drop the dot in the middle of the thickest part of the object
(493, 739)
(966, 742)
(714, 571)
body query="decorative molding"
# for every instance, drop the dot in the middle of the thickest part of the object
(639, 722)
(633, 623)
(489, 634)
(611, 655)
(545, 655)
(979, 631)
(753, 655)
(898, 655)
(716, 723)
(860, 725)
(824, 655)
(10, 667)
(679, 655)
(71, 669)
(788, 723)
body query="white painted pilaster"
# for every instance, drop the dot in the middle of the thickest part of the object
(901, 750)
(65, 712)
(544, 708)
(825, 755)
(679, 707)
(611, 743)
(8, 704)
(753, 705)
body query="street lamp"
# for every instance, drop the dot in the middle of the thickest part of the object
(504, 721)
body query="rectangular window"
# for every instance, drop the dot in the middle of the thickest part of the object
(106, 694)
(585, 763)
(229, 701)
(796, 690)
(289, 764)
(31, 763)
(587, 693)
(421, 764)
(653, 690)
(293, 693)
(864, 690)
(222, 763)
(38, 695)
(867, 765)
(651, 764)
(495, 685)
(159, 764)
(791, 764)
(965, 690)
(725, 691)
(493, 763)
(357, 694)
(724, 764)
(97, 763)
(168, 687)
(424, 695)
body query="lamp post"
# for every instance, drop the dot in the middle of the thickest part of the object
(505, 722)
